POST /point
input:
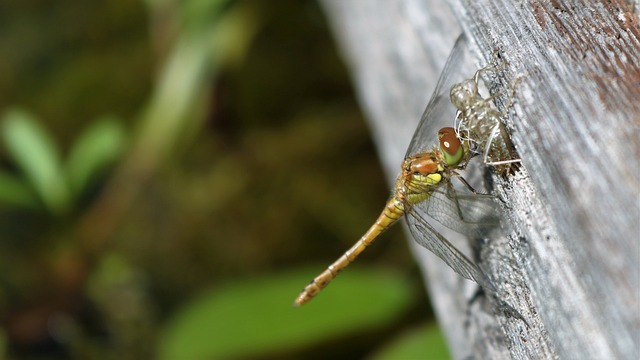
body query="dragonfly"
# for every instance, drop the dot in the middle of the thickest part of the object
(425, 190)
(481, 124)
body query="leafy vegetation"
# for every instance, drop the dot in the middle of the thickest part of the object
(168, 169)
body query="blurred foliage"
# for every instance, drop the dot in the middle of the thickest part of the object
(74, 61)
(37, 156)
(419, 343)
(243, 326)
(166, 169)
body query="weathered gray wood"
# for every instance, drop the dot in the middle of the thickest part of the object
(571, 264)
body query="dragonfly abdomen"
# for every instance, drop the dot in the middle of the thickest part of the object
(393, 211)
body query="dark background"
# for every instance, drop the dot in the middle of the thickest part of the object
(172, 173)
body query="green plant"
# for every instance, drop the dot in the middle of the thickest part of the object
(43, 175)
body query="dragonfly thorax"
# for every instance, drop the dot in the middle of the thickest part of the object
(423, 164)
(421, 173)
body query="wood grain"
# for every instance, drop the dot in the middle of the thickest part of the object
(571, 262)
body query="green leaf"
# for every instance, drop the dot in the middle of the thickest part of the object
(98, 146)
(256, 317)
(426, 342)
(35, 153)
(14, 192)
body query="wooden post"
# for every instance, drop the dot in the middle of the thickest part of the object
(571, 263)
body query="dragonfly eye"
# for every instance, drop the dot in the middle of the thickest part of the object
(450, 146)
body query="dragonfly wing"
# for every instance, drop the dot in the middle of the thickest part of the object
(473, 215)
(440, 112)
(425, 235)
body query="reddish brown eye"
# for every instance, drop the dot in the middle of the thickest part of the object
(449, 141)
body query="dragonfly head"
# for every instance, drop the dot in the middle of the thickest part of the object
(450, 145)
(463, 94)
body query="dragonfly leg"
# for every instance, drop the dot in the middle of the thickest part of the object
(452, 194)
(511, 87)
(491, 66)
(485, 157)
(468, 186)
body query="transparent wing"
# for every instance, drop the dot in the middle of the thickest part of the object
(469, 214)
(473, 215)
(425, 235)
(440, 112)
